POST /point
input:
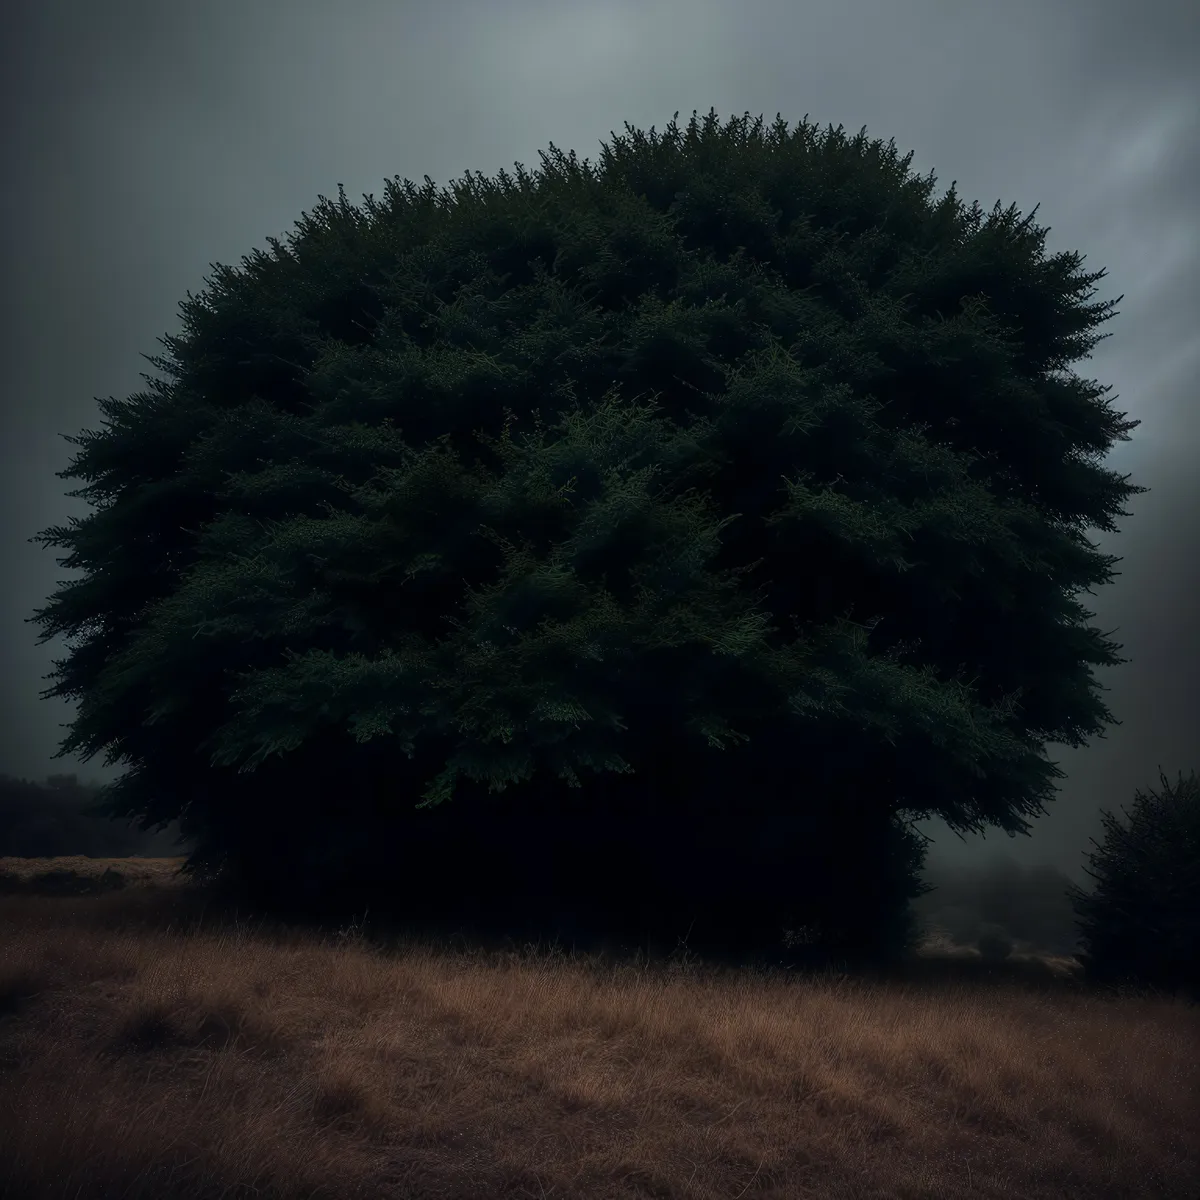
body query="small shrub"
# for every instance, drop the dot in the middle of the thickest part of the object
(1141, 924)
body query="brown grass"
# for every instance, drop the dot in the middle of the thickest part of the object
(151, 1048)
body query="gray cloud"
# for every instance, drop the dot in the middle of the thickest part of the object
(147, 141)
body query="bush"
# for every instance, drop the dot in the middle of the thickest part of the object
(1140, 926)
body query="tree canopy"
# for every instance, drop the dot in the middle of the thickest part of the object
(734, 492)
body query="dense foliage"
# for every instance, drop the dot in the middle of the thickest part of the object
(1141, 923)
(726, 503)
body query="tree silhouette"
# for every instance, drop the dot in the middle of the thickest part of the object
(655, 540)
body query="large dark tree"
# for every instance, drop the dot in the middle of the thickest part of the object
(657, 538)
(1141, 923)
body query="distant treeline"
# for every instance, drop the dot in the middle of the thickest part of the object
(999, 903)
(47, 820)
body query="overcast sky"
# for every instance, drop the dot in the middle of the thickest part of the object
(145, 141)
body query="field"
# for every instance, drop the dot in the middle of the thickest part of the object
(153, 1046)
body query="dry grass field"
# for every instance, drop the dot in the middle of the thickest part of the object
(153, 1047)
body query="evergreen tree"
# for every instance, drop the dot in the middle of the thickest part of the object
(1141, 923)
(662, 537)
